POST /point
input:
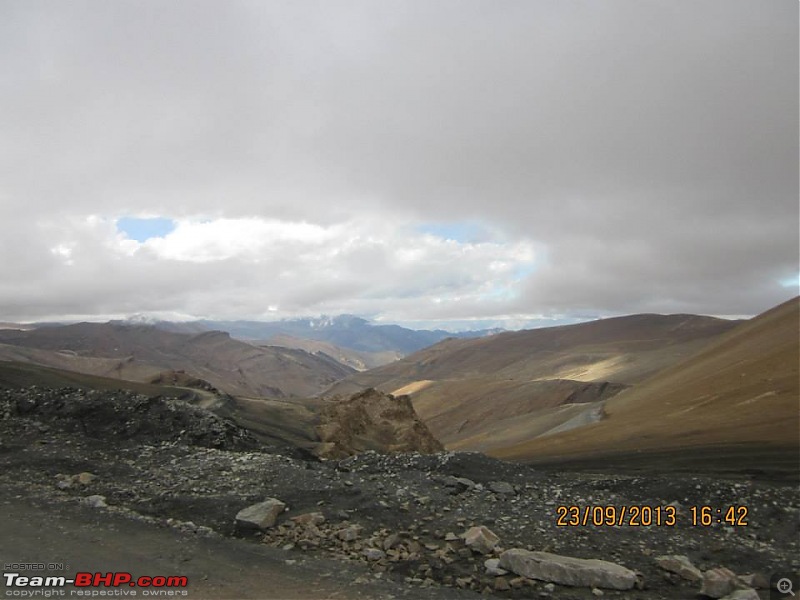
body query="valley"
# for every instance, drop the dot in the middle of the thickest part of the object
(387, 475)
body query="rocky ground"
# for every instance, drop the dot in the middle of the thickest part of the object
(399, 518)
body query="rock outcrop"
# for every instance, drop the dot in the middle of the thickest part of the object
(372, 420)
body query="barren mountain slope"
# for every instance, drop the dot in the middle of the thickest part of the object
(140, 353)
(357, 359)
(470, 392)
(741, 391)
(19, 375)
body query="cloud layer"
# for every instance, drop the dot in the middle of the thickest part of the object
(616, 157)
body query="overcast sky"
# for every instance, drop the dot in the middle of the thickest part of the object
(412, 161)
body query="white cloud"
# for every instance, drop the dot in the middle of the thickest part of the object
(548, 157)
(256, 267)
(248, 239)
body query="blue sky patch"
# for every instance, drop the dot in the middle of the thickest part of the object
(144, 229)
(464, 232)
(791, 281)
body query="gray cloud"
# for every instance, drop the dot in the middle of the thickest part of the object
(648, 151)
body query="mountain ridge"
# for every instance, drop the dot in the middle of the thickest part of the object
(142, 352)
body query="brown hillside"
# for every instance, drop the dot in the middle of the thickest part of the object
(355, 359)
(141, 353)
(741, 391)
(488, 392)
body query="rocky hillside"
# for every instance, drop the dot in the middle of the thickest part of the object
(372, 420)
(436, 525)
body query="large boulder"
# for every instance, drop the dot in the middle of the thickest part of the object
(577, 572)
(260, 516)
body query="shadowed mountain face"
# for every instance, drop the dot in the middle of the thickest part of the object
(143, 353)
(736, 398)
(343, 331)
(491, 392)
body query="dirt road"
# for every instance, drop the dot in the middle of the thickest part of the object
(83, 539)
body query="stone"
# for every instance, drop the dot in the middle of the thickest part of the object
(392, 541)
(85, 478)
(565, 570)
(502, 488)
(463, 582)
(374, 553)
(96, 501)
(501, 584)
(681, 566)
(312, 518)
(349, 533)
(481, 539)
(458, 484)
(597, 592)
(550, 587)
(492, 566)
(755, 580)
(260, 516)
(748, 594)
(720, 582)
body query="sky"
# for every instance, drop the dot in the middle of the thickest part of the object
(447, 162)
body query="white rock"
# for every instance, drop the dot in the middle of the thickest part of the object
(565, 570)
(492, 566)
(481, 539)
(96, 501)
(260, 516)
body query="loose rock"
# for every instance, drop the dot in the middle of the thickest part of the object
(260, 516)
(681, 566)
(576, 572)
(481, 539)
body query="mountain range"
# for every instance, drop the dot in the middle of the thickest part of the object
(485, 393)
(147, 354)
(627, 390)
(344, 331)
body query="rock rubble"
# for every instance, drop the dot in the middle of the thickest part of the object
(400, 516)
